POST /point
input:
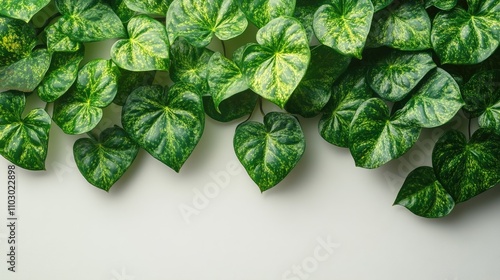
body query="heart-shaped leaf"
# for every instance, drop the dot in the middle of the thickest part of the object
(467, 169)
(129, 81)
(237, 106)
(22, 9)
(375, 138)
(17, 40)
(168, 125)
(23, 141)
(146, 49)
(275, 66)
(444, 5)
(269, 151)
(393, 76)
(404, 25)
(344, 25)
(121, 9)
(482, 23)
(58, 41)
(423, 195)
(380, 4)
(25, 74)
(261, 12)
(158, 7)
(314, 90)
(197, 21)
(103, 161)
(435, 101)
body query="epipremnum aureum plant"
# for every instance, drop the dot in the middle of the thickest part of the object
(374, 74)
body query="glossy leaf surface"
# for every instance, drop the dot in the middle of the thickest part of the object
(129, 81)
(158, 7)
(58, 41)
(17, 40)
(237, 106)
(22, 9)
(445, 5)
(261, 12)
(25, 74)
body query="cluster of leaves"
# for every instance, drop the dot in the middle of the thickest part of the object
(375, 72)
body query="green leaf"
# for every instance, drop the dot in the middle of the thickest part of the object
(129, 81)
(393, 76)
(375, 138)
(17, 39)
(121, 9)
(237, 106)
(344, 25)
(80, 110)
(467, 37)
(158, 7)
(304, 12)
(261, 12)
(23, 141)
(22, 9)
(275, 66)
(467, 169)
(269, 151)
(197, 21)
(348, 93)
(89, 21)
(146, 49)
(380, 4)
(402, 25)
(103, 161)
(423, 195)
(444, 5)
(435, 101)
(168, 125)
(25, 74)
(314, 90)
(58, 41)
(61, 75)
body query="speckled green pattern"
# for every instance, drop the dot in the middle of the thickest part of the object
(197, 21)
(158, 7)
(225, 79)
(129, 81)
(444, 5)
(61, 75)
(481, 91)
(57, 41)
(344, 25)
(17, 39)
(121, 9)
(380, 4)
(467, 37)
(467, 169)
(89, 21)
(25, 74)
(402, 25)
(375, 139)
(261, 12)
(22, 9)
(393, 76)
(167, 124)
(435, 101)
(423, 195)
(23, 141)
(269, 151)
(314, 90)
(348, 93)
(275, 66)
(237, 106)
(103, 161)
(80, 110)
(146, 49)
(304, 12)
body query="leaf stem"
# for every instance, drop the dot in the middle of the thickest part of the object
(223, 47)
(93, 136)
(470, 122)
(261, 108)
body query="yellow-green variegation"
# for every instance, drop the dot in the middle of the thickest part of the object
(121, 9)
(129, 81)
(58, 41)
(22, 9)
(444, 5)
(25, 74)
(261, 12)
(17, 40)
(304, 12)
(380, 4)
(158, 7)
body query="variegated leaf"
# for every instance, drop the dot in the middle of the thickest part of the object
(17, 40)
(22, 9)
(380, 4)
(269, 151)
(261, 12)
(58, 41)
(129, 81)
(237, 106)
(304, 12)
(25, 74)
(121, 9)
(158, 7)
(444, 5)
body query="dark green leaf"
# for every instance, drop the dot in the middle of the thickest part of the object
(380, 4)
(304, 12)
(25, 74)
(261, 12)
(129, 81)
(17, 39)
(444, 5)
(269, 151)
(158, 7)
(22, 9)
(121, 9)
(237, 106)
(58, 41)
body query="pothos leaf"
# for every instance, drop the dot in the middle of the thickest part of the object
(348, 93)
(467, 169)
(314, 90)
(168, 125)
(424, 195)
(17, 39)
(103, 161)
(121, 9)
(304, 12)
(198, 21)
(158, 7)
(25, 74)
(58, 41)
(434, 102)
(393, 76)
(375, 138)
(23, 141)
(146, 49)
(275, 66)
(261, 12)
(129, 81)
(237, 106)
(80, 110)
(344, 25)
(380, 4)
(269, 151)
(22, 9)
(445, 5)
(482, 36)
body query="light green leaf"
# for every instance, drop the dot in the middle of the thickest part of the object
(17, 40)
(198, 21)
(129, 81)
(423, 195)
(467, 169)
(237, 106)
(168, 125)
(444, 5)
(58, 41)
(269, 151)
(25, 74)
(22, 9)
(261, 12)
(23, 141)
(344, 25)
(275, 66)
(103, 161)
(158, 7)
(146, 49)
